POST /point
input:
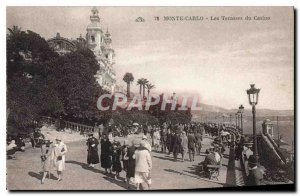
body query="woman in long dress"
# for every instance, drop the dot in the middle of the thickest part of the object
(92, 157)
(59, 151)
(143, 166)
(116, 160)
(46, 159)
(106, 155)
(131, 162)
(156, 139)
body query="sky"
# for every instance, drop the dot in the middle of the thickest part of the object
(216, 60)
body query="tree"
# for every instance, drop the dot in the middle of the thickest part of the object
(42, 83)
(73, 78)
(14, 32)
(140, 82)
(29, 59)
(144, 82)
(128, 78)
(149, 86)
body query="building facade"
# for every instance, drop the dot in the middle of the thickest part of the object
(99, 42)
(61, 45)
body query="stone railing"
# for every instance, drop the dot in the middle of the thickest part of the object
(269, 153)
(69, 125)
(78, 127)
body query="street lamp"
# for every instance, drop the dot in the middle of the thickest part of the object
(253, 100)
(241, 110)
(236, 120)
(238, 117)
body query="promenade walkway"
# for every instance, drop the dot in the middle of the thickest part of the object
(24, 173)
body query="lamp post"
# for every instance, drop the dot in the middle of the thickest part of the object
(241, 110)
(238, 117)
(236, 120)
(230, 115)
(253, 100)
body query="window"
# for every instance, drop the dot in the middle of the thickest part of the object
(93, 38)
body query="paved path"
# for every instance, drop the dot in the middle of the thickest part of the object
(23, 173)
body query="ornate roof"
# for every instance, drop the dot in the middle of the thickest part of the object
(95, 19)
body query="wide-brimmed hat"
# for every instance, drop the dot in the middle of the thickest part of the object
(126, 143)
(58, 138)
(47, 141)
(215, 144)
(143, 144)
(90, 134)
(252, 160)
(248, 144)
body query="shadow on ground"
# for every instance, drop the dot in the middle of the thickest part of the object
(165, 158)
(85, 166)
(198, 176)
(39, 175)
(120, 182)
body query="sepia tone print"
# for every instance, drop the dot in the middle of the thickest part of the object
(150, 98)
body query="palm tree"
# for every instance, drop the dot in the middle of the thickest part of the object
(145, 81)
(15, 31)
(149, 86)
(128, 77)
(140, 82)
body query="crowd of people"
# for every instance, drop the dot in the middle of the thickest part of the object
(179, 139)
(134, 157)
(244, 151)
(182, 141)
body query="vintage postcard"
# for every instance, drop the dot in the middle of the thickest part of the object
(150, 98)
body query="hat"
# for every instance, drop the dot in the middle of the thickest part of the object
(252, 160)
(58, 138)
(143, 143)
(248, 144)
(90, 134)
(126, 143)
(215, 145)
(144, 137)
(46, 141)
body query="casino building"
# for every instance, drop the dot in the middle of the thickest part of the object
(99, 42)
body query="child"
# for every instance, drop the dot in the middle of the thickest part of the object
(116, 160)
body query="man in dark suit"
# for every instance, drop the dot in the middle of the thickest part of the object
(192, 146)
(255, 176)
(198, 137)
(176, 144)
(210, 159)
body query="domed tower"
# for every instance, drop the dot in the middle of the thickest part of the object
(100, 43)
(107, 39)
(94, 34)
(109, 51)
